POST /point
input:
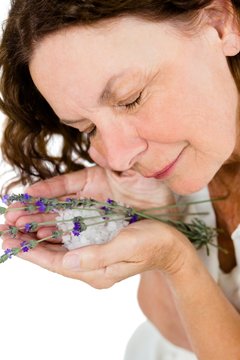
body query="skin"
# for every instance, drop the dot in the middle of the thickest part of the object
(178, 77)
(183, 81)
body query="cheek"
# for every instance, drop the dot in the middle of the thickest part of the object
(165, 122)
(204, 118)
(157, 124)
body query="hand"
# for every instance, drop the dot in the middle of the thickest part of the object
(98, 183)
(128, 187)
(140, 247)
(94, 182)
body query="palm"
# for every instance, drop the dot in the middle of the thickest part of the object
(129, 188)
(98, 183)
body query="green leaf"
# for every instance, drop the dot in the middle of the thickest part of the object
(32, 244)
(13, 230)
(34, 226)
(2, 210)
(3, 258)
(31, 208)
(15, 251)
(57, 234)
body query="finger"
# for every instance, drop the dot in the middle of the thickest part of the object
(3, 228)
(18, 211)
(120, 271)
(94, 257)
(40, 218)
(13, 214)
(45, 255)
(110, 275)
(59, 185)
(46, 232)
(50, 257)
(106, 277)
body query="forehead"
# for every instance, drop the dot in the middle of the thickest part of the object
(82, 58)
(121, 40)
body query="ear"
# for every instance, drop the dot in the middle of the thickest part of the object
(222, 16)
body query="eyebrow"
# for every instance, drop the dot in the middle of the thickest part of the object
(106, 96)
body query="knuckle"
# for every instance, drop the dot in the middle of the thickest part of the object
(21, 221)
(96, 257)
(111, 275)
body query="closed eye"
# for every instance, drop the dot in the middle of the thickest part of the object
(133, 104)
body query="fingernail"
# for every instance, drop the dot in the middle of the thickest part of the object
(71, 262)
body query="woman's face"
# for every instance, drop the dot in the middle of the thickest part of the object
(148, 96)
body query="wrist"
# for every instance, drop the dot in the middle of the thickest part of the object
(188, 269)
(176, 250)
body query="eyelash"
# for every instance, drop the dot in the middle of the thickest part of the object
(130, 106)
(136, 102)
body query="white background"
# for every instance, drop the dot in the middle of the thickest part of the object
(47, 316)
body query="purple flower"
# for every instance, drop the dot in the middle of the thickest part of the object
(106, 211)
(104, 208)
(76, 229)
(28, 227)
(133, 219)
(26, 196)
(77, 226)
(68, 199)
(109, 201)
(5, 199)
(41, 206)
(24, 247)
(8, 252)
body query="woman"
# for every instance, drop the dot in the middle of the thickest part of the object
(149, 90)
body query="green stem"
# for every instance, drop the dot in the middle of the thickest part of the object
(184, 204)
(15, 209)
(146, 216)
(107, 221)
(181, 213)
(44, 239)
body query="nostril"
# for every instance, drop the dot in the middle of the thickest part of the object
(126, 173)
(117, 173)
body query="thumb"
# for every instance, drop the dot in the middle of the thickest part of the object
(94, 257)
(59, 185)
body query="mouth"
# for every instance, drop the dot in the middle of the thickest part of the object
(167, 170)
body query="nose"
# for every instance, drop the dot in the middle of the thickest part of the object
(119, 147)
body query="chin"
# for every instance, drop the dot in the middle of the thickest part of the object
(187, 187)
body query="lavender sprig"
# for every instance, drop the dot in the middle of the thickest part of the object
(197, 231)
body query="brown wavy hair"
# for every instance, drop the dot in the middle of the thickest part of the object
(30, 122)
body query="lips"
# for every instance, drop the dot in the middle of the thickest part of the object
(166, 170)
